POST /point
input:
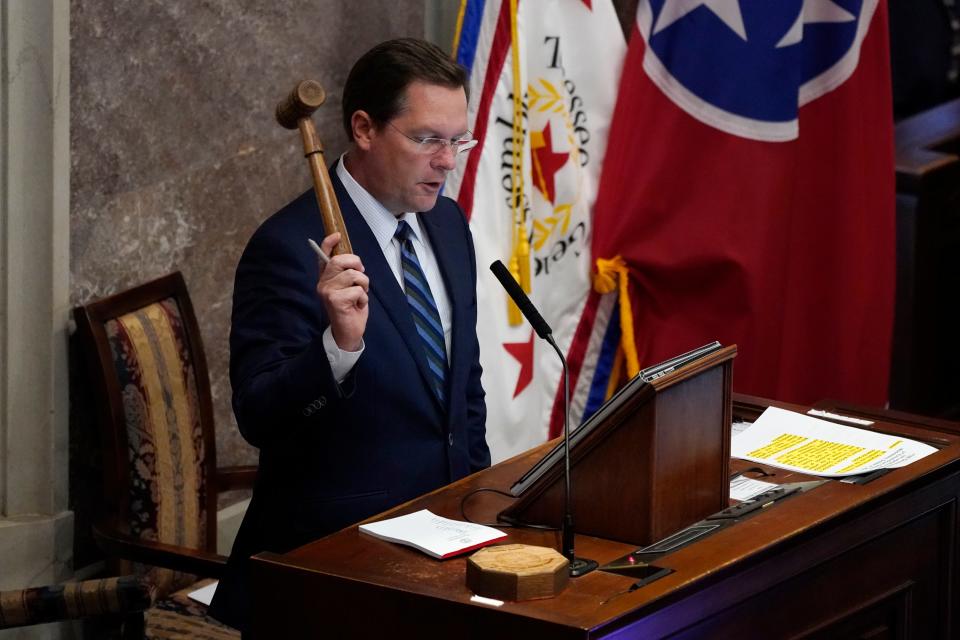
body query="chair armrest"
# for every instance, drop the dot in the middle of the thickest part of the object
(168, 556)
(232, 478)
(107, 596)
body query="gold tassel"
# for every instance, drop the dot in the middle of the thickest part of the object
(514, 317)
(611, 275)
(520, 257)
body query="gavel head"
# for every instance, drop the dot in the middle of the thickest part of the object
(301, 103)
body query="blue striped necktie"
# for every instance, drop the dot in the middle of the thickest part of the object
(424, 310)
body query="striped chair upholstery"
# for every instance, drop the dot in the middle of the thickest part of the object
(178, 616)
(165, 445)
(148, 375)
(37, 605)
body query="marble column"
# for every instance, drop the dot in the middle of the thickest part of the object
(35, 526)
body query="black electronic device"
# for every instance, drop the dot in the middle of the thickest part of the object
(643, 556)
(671, 365)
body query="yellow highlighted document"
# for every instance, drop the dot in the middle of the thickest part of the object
(819, 455)
(802, 443)
(781, 443)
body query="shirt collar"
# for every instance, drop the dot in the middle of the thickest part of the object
(382, 223)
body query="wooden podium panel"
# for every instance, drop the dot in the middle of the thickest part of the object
(924, 376)
(656, 464)
(841, 561)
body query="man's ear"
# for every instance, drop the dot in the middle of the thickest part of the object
(363, 129)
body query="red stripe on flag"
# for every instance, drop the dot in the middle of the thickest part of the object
(575, 355)
(765, 245)
(498, 54)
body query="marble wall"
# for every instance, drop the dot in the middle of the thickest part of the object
(175, 155)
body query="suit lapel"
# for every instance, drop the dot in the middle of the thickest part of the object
(383, 283)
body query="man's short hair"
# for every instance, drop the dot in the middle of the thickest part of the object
(378, 81)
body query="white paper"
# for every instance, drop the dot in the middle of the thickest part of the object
(743, 489)
(434, 535)
(818, 413)
(484, 600)
(739, 426)
(796, 442)
(204, 595)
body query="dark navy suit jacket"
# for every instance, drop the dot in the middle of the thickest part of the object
(331, 455)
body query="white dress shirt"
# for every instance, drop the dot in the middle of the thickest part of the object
(383, 224)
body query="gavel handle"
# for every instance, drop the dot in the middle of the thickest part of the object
(326, 199)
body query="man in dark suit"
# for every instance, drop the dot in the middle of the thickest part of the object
(359, 379)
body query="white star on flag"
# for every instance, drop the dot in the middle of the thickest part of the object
(727, 10)
(814, 11)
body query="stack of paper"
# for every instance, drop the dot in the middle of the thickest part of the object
(204, 595)
(793, 441)
(434, 535)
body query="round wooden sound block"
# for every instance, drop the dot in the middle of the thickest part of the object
(517, 572)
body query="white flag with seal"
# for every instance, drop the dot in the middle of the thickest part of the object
(528, 187)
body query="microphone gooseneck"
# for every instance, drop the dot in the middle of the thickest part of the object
(578, 566)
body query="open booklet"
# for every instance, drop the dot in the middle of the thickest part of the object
(802, 443)
(434, 535)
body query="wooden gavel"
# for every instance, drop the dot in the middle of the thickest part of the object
(294, 113)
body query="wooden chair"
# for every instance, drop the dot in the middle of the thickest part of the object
(146, 364)
(116, 602)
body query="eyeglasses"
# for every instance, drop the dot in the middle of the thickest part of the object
(431, 146)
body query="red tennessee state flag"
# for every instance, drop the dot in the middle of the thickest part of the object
(749, 186)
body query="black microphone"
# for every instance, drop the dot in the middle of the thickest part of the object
(523, 302)
(578, 566)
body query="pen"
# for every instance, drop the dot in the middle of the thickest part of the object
(324, 258)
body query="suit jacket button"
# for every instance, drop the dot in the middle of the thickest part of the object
(450, 439)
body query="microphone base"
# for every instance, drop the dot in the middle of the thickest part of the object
(581, 567)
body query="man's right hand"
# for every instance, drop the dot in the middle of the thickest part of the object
(343, 288)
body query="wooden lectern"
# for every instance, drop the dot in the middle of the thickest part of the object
(877, 560)
(655, 459)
